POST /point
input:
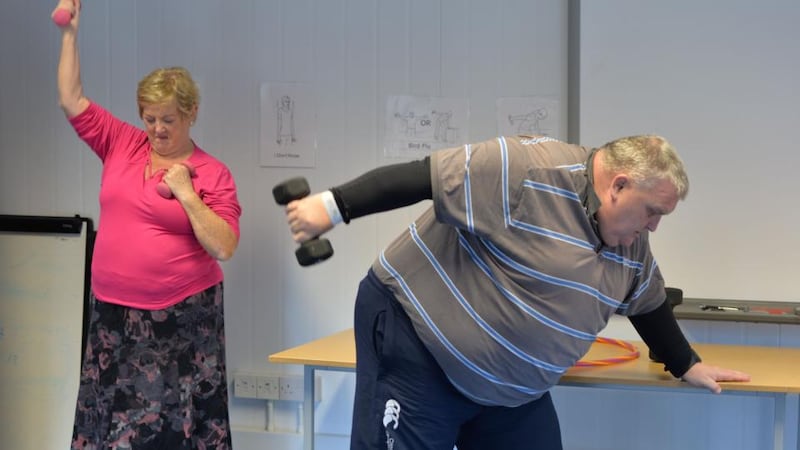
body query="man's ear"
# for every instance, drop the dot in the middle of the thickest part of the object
(618, 183)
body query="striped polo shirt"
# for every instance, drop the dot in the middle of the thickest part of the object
(505, 277)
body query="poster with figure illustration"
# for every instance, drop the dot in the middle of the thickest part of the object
(529, 115)
(287, 126)
(415, 126)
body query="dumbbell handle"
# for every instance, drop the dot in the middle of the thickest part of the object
(315, 249)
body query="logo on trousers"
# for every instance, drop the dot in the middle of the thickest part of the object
(391, 413)
(391, 420)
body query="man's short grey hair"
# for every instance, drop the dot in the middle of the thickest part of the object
(647, 159)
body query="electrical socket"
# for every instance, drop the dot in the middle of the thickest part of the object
(267, 387)
(244, 386)
(291, 388)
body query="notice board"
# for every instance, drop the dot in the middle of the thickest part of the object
(44, 266)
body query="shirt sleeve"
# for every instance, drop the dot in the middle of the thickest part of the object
(660, 331)
(385, 188)
(221, 197)
(101, 130)
(472, 189)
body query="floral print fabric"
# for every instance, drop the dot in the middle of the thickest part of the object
(155, 379)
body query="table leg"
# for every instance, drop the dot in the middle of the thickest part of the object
(779, 427)
(787, 412)
(793, 404)
(308, 408)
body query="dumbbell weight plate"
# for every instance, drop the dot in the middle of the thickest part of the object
(313, 251)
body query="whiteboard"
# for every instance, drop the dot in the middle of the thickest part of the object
(719, 79)
(42, 277)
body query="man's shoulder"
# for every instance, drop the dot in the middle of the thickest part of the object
(547, 151)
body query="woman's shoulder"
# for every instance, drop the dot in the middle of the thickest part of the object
(208, 163)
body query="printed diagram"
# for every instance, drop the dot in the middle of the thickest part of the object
(408, 123)
(284, 112)
(287, 125)
(443, 132)
(530, 122)
(415, 126)
(528, 116)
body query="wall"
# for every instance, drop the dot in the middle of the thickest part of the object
(718, 79)
(353, 54)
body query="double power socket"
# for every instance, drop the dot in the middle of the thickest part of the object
(272, 387)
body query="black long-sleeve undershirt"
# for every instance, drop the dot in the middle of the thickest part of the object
(385, 188)
(661, 333)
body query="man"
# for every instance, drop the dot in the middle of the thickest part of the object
(468, 318)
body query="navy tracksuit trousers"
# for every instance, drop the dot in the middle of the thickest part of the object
(404, 401)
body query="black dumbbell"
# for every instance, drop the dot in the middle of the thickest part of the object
(313, 250)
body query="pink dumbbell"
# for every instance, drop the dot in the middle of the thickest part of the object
(164, 190)
(62, 14)
(61, 17)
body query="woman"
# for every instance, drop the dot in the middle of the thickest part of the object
(154, 369)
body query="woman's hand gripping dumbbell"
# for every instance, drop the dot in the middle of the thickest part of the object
(64, 12)
(177, 176)
(307, 217)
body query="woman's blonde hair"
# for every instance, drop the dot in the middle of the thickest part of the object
(646, 159)
(164, 84)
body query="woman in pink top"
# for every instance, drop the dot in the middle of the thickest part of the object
(154, 365)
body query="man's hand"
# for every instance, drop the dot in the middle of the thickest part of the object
(307, 218)
(707, 376)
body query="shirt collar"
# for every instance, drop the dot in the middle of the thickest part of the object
(589, 197)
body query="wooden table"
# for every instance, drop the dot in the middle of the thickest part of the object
(774, 371)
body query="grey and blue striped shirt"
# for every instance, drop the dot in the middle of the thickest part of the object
(505, 277)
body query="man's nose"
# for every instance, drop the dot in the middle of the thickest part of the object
(653, 223)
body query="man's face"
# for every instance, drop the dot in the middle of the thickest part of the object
(627, 209)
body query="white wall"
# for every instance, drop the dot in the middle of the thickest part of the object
(719, 80)
(354, 53)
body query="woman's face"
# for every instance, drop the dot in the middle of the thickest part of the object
(167, 129)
